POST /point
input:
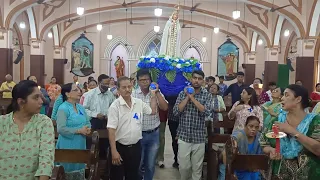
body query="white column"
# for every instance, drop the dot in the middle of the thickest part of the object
(59, 52)
(271, 54)
(6, 39)
(305, 47)
(250, 58)
(37, 47)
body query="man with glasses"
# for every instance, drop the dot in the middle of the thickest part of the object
(97, 103)
(150, 123)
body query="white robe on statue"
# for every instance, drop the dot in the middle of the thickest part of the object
(171, 37)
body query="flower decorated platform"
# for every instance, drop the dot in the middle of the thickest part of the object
(172, 74)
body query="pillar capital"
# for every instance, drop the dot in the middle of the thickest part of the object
(37, 47)
(5, 38)
(272, 54)
(250, 57)
(306, 47)
(59, 52)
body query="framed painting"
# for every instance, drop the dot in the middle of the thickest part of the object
(82, 56)
(228, 60)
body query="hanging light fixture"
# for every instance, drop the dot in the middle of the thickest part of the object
(80, 10)
(158, 11)
(50, 35)
(216, 30)
(109, 36)
(286, 33)
(204, 39)
(22, 25)
(236, 13)
(156, 28)
(99, 26)
(260, 42)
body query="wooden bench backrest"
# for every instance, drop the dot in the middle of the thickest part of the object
(236, 161)
(89, 157)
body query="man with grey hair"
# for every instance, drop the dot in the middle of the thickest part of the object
(6, 87)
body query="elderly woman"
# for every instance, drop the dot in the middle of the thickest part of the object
(54, 89)
(26, 137)
(299, 157)
(73, 126)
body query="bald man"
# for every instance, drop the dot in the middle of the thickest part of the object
(6, 87)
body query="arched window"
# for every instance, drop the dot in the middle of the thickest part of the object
(153, 48)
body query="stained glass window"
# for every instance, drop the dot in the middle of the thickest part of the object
(153, 48)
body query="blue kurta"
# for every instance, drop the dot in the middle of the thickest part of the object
(68, 122)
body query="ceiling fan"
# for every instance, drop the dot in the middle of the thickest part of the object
(85, 24)
(74, 19)
(124, 4)
(44, 3)
(184, 25)
(193, 8)
(126, 45)
(131, 22)
(273, 9)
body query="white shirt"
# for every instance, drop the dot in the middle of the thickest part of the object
(127, 120)
(96, 102)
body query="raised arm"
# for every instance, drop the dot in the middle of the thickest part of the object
(228, 91)
(47, 148)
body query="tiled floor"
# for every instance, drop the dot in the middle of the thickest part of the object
(168, 173)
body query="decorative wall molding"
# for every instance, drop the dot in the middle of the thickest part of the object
(48, 10)
(11, 1)
(261, 13)
(146, 41)
(297, 4)
(242, 29)
(114, 43)
(195, 43)
(66, 25)
(1, 23)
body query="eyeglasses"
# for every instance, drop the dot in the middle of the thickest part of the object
(275, 91)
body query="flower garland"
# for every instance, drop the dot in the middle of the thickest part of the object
(168, 65)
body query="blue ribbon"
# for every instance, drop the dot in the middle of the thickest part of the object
(80, 112)
(136, 116)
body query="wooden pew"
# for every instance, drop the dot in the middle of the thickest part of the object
(237, 161)
(58, 173)
(89, 157)
(103, 165)
(4, 103)
(213, 151)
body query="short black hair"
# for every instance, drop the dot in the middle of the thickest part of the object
(93, 81)
(272, 83)
(143, 72)
(317, 84)
(221, 77)
(298, 81)
(240, 73)
(122, 78)
(102, 77)
(252, 118)
(258, 79)
(199, 72)
(212, 78)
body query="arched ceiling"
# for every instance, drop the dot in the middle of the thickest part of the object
(257, 12)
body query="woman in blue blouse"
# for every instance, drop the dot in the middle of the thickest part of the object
(73, 126)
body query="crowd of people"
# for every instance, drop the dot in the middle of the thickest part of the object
(136, 116)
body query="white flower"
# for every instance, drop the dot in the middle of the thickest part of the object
(167, 58)
(153, 60)
(178, 66)
(191, 60)
(177, 60)
(182, 59)
(187, 63)
(142, 57)
(148, 57)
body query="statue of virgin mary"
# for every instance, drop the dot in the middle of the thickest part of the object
(170, 42)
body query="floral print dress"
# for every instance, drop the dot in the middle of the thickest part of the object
(27, 154)
(243, 114)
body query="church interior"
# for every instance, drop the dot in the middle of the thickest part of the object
(271, 40)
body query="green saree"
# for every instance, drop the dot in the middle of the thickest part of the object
(304, 167)
(267, 118)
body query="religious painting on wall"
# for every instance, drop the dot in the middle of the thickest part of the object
(82, 56)
(228, 60)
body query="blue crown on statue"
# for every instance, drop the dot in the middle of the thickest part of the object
(172, 74)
